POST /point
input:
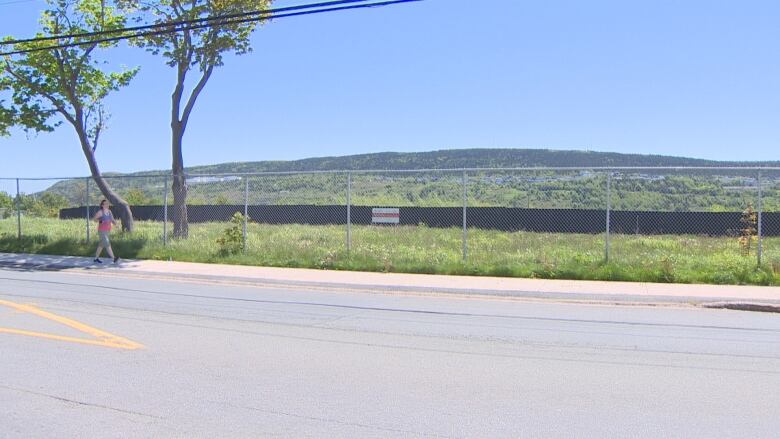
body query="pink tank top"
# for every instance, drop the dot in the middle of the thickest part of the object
(105, 221)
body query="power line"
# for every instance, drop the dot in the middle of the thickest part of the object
(167, 25)
(206, 22)
(172, 27)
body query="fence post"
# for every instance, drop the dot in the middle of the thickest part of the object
(465, 229)
(349, 212)
(246, 207)
(86, 203)
(609, 207)
(18, 211)
(165, 211)
(759, 220)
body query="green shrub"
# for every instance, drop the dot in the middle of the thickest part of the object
(47, 205)
(137, 197)
(232, 239)
(749, 229)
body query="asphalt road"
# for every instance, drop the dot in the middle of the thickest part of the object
(86, 355)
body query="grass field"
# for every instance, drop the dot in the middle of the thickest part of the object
(420, 249)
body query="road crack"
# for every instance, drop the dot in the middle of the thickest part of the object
(339, 422)
(81, 403)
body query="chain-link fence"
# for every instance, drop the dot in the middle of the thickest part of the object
(674, 224)
(297, 220)
(407, 221)
(146, 197)
(536, 222)
(643, 224)
(29, 214)
(769, 219)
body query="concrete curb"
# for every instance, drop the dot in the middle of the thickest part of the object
(625, 299)
(744, 306)
(107, 270)
(71, 263)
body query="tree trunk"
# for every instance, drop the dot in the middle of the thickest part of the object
(123, 209)
(179, 187)
(178, 126)
(180, 222)
(120, 206)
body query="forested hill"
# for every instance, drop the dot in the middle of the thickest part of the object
(701, 191)
(466, 158)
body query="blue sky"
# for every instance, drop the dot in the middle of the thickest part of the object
(693, 78)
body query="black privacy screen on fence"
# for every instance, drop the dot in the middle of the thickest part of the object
(492, 218)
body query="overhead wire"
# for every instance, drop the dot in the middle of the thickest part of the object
(200, 23)
(168, 24)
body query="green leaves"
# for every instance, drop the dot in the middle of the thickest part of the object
(232, 239)
(66, 82)
(6, 119)
(204, 47)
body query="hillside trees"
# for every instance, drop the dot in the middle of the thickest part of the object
(67, 84)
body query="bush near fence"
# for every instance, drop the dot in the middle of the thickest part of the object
(493, 218)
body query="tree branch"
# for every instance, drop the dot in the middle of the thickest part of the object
(82, 60)
(54, 101)
(180, 11)
(68, 87)
(189, 47)
(98, 128)
(177, 93)
(194, 95)
(183, 66)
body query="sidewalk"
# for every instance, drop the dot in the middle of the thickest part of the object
(714, 296)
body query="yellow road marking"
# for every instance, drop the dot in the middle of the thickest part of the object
(102, 338)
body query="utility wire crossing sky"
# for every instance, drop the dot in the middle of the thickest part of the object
(200, 23)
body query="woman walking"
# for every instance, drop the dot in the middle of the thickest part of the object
(105, 220)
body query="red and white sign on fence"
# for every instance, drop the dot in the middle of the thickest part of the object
(385, 215)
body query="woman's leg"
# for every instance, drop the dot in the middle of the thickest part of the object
(110, 252)
(98, 251)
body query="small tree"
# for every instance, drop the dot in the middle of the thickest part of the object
(6, 200)
(192, 51)
(46, 205)
(137, 197)
(52, 85)
(6, 205)
(749, 230)
(232, 239)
